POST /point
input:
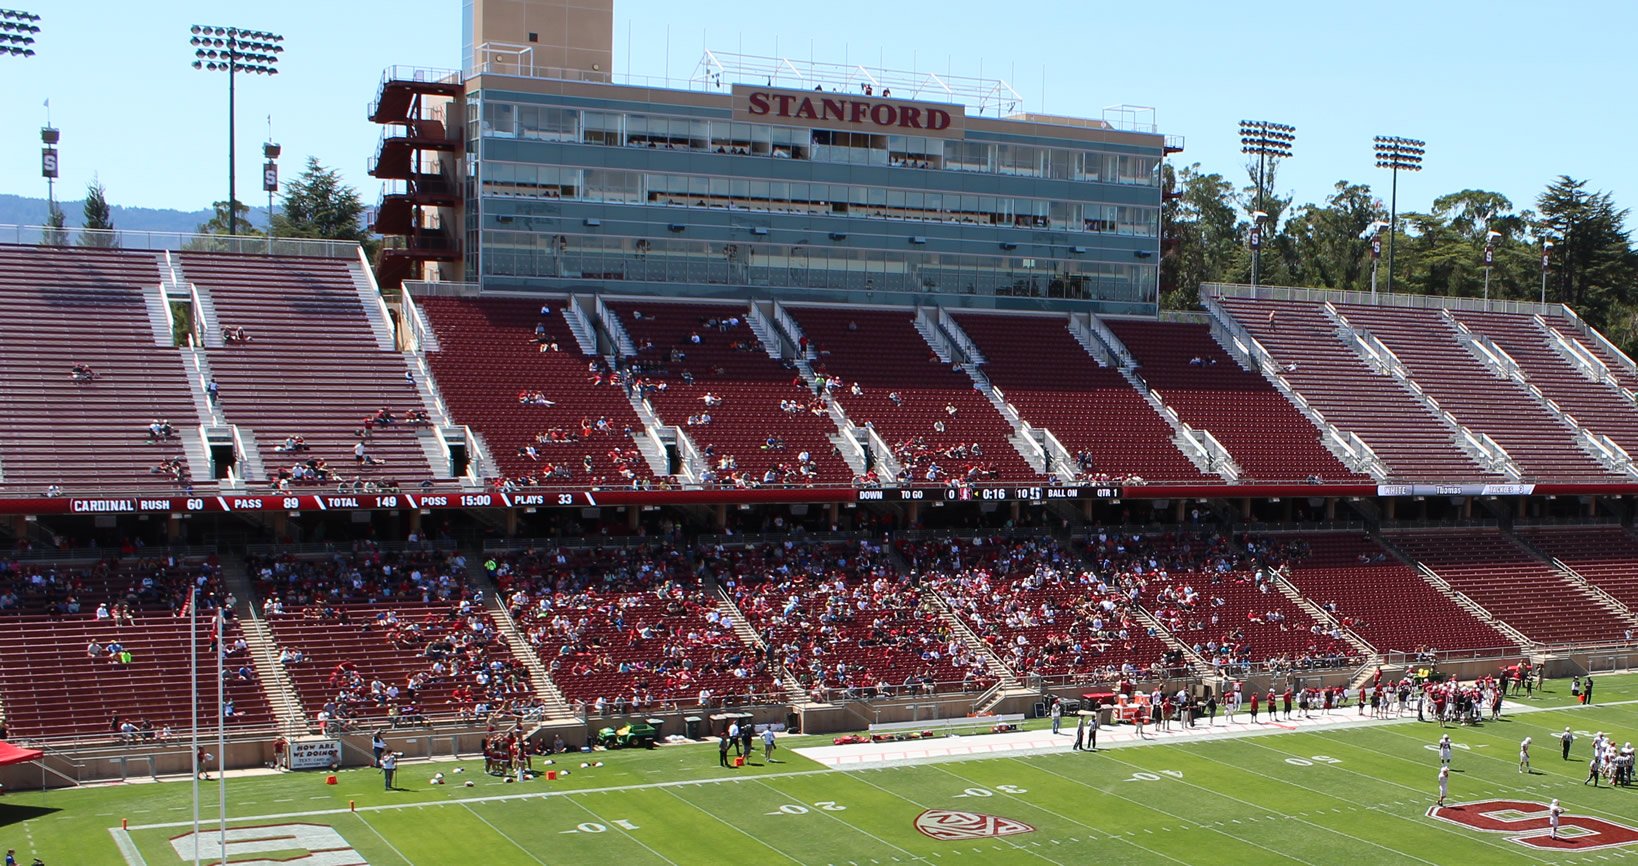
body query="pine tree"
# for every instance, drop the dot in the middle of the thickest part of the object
(54, 235)
(317, 204)
(98, 218)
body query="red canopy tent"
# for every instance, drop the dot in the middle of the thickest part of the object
(10, 754)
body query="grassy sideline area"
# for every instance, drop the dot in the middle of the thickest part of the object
(1362, 794)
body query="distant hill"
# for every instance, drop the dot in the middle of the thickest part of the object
(21, 210)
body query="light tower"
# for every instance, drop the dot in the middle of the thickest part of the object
(1268, 141)
(1395, 153)
(233, 50)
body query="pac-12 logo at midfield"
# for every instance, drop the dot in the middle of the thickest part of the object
(1529, 825)
(947, 825)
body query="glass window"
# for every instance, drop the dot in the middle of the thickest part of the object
(500, 119)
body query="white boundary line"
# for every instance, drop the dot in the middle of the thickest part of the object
(127, 847)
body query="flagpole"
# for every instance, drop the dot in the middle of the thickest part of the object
(221, 726)
(193, 672)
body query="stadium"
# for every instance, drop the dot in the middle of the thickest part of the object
(801, 465)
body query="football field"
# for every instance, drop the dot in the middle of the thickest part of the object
(1359, 793)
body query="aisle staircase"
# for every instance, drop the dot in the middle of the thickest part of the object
(794, 693)
(288, 713)
(557, 708)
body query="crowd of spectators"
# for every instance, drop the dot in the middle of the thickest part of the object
(402, 636)
(842, 618)
(112, 589)
(1039, 608)
(629, 629)
(1220, 595)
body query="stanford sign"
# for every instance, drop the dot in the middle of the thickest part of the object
(827, 110)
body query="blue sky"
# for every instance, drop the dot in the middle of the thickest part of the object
(1507, 94)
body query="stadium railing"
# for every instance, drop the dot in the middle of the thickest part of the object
(146, 240)
(1423, 302)
(91, 554)
(325, 548)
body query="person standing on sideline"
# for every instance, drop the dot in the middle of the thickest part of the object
(1254, 707)
(1586, 690)
(389, 767)
(1566, 739)
(378, 745)
(1080, 733)
(733, 737)
(1211, 709)
(747, 735)
(1444, 749)
(1524, 757)
(722, 750)
(1057, 715)
(1444, 784)
(768, 745)
(1554, 812)
(1092, 731)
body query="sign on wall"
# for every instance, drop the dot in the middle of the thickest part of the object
(315, 754)
(821, 109)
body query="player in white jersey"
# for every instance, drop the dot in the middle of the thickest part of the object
(1524, 756)
(1553, 813)
(1444, 749)
(1444, 784)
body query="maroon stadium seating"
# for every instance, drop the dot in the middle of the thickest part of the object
(587, 611)
(397, 620)
(1384, 601)
(1406, 436)
(730, 364)
(1529, 595)
(1537, 442)
(312, 368)
(1606, 556)
(64, 306)
(1219, 597)
(842, 618)
(52, 686)
(882, 352)
(1041, 610)
(489, 357)
(1266, 435)
(1598, 406)
(1055, 384)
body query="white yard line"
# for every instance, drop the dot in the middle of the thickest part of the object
(1111, 836)
(504, 835)
(832, 816)
(379, 835)
(924, 806)
(623, 831)
(732, 826)
(1422, 793)
(1320, 827)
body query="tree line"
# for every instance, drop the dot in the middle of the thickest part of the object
(316, 204)
(1591, 263)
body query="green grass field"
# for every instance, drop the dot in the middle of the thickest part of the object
(1359, 795)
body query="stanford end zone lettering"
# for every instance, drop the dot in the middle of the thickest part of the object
(1527, 824)
(829, 110)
